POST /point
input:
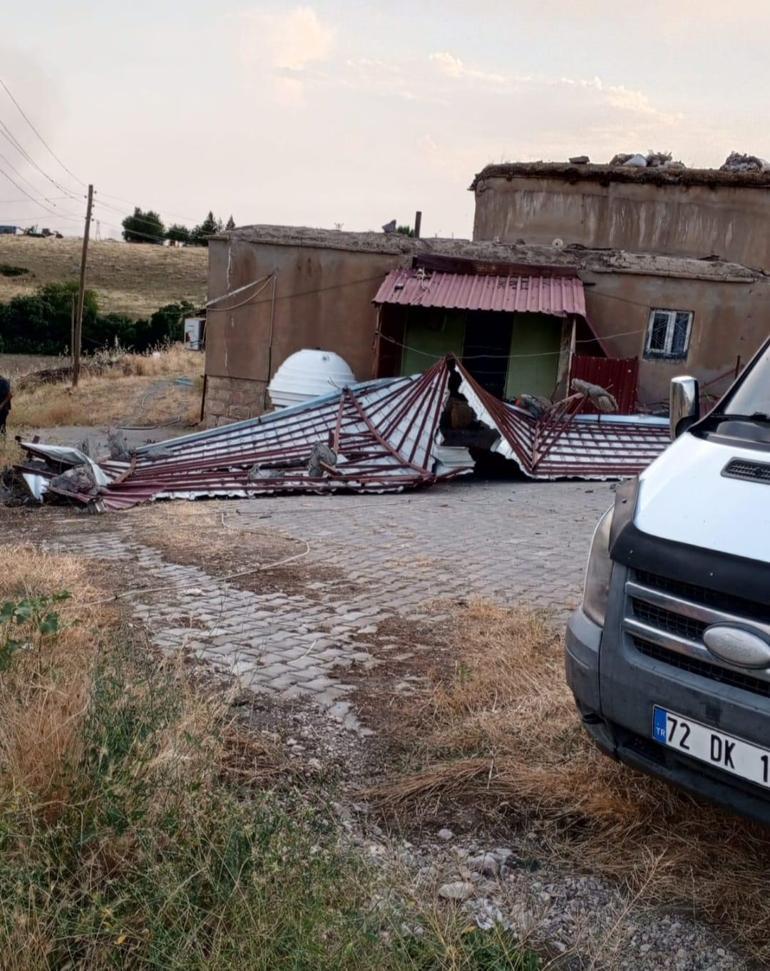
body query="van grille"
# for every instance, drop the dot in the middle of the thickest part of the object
(704, 668)
(747, 609)
(666, 620)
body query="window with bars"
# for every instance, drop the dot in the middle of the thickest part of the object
(668, 333)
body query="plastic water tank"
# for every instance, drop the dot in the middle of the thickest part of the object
(308, 374)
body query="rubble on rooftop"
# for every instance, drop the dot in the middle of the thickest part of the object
(385, 435)
(736, 162)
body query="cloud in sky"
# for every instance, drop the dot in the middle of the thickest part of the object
(453, 67)
(324, 111)
(290, 42)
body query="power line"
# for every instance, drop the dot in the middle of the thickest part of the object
(32, 186)
(9, 202)
(24, 191)
(175, 215)
(40, 137)
(135, 232)
(6, 132)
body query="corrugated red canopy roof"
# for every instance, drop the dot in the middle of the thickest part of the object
(464, 291)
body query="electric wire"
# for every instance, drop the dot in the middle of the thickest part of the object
(20, 175)
(175, 215)
(45, 199)
(503, 357)
(134, 232)
(40, 137)
(264, 281)
(17, 146)
(37, 202)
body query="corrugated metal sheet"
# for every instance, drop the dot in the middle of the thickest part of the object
(564, 444)
(462, 291)
(620, 376)
(386, 435)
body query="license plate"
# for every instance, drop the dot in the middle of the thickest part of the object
(727, 752)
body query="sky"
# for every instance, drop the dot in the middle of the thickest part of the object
(352, 113)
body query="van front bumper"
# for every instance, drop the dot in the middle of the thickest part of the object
(582, 652)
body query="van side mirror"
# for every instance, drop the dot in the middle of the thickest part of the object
(684, 409)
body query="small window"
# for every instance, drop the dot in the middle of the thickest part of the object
(668, 334)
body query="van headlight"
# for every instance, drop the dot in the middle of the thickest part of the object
(598, 572)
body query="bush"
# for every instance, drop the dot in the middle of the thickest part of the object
(41, 323)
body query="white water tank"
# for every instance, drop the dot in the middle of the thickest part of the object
(308, 374)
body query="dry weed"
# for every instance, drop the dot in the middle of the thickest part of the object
(173, 361)
(43, 702)
(136, 388)
(504, 735)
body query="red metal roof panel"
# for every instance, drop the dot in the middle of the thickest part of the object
(465, 291)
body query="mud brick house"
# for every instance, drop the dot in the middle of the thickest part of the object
(705, 311)
(623, 277)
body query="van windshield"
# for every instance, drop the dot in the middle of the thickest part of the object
(752, 396)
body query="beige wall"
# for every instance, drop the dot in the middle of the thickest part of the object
(323, 298)
(672, 219)
(731, 320)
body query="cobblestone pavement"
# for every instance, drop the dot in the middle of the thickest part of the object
(518, 543)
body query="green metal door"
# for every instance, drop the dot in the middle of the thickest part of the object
(428, 336)
(534, 364)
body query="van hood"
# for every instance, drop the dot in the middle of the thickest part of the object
(684, 497)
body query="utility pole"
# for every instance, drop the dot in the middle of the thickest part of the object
(78, 328)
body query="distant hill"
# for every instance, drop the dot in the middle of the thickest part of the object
(129, 278)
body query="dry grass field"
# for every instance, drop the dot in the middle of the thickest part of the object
(15, 366)
(133, 279)
(502, 735)
(140, 388)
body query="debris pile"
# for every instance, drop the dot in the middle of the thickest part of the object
(384, 435)
(736, 162)
(652, 160)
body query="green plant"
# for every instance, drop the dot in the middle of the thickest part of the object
(143, 227)
(178, 233)
(209, 227)
(30, 616)
(7, 269)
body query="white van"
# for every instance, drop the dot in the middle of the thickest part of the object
(669, 654)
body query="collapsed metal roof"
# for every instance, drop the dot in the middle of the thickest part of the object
(532, 293)
(385, 435)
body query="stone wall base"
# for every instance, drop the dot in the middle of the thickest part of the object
(233, 399)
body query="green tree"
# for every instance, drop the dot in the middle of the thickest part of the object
(143, 227)
(209, 227)
(230, 224)
(179, 233)
(165, 326)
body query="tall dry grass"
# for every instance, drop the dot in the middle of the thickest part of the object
(137, 388)
(44, 701)
(140, 827)
(503, 735)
